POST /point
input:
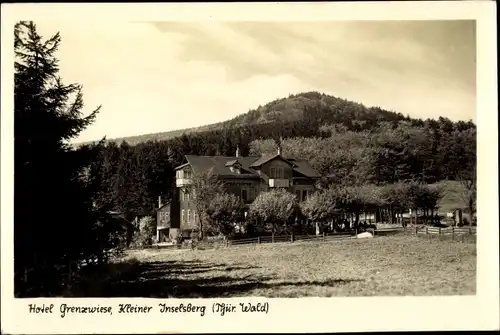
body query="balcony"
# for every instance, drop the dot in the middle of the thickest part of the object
(279, 183)
(179, 182)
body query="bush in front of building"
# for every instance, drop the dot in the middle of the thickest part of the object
(145, 235)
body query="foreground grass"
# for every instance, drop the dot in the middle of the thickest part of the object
(389, 266)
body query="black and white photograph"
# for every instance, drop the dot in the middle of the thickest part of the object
(218, 158)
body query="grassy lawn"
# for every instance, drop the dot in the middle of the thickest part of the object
(395, 265)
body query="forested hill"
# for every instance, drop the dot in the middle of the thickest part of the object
(304, 106)
(345, 142)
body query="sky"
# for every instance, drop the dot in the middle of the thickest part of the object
(157, 76)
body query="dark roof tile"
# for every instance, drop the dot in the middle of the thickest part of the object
(266, 158)
(220, 165)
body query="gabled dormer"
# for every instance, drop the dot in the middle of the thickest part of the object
(277, 169)
(234, 166)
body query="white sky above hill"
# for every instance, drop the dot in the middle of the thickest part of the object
(159, 76)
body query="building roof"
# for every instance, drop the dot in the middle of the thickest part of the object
(162, 206)
(266, 158)
(303, 167)
(249, 165)
(220, 166)
(117, 215)
(232, 162)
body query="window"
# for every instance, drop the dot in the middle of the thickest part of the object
(164, 216)
(304, 195)
(194, 217)
(187, 174)
(188, 197)
(189, 216)
(297, 193)
(251, 193)
(279, 173)
(182, 216)
(244, 195)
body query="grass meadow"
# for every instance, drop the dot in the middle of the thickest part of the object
(382, 266)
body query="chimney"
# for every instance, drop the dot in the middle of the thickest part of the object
(237, 151)
(159, 201)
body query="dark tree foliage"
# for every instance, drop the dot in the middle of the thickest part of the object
(55, 223)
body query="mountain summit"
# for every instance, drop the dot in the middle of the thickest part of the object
(315, 106)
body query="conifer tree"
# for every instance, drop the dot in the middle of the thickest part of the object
(54, 221)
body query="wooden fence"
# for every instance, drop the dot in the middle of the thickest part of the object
(453, 233)
(288, 238)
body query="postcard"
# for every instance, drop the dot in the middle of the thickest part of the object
(249, 167)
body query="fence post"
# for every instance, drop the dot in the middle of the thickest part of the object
(258, 240)
(452, 233)
(291, 237)
(272, 238)
(323, 236)
(440, 233)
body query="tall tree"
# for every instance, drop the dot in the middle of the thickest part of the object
(274, 208)
(225, 210)
(130, 186)
(467, 175)
(54, 220)
(204, 186)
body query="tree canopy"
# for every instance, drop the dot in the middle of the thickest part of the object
(55, 221)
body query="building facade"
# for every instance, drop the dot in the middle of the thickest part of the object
(244, 177)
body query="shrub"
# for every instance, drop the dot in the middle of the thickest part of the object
(145, 233)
